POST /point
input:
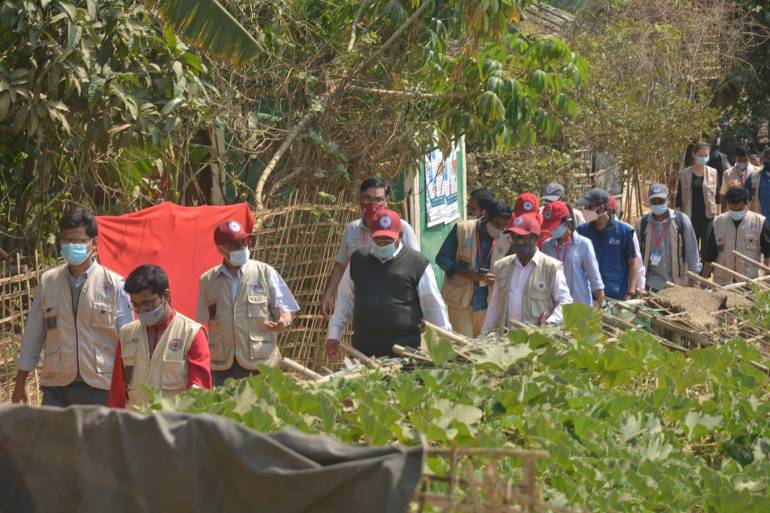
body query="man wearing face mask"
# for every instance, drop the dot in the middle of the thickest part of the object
(374, 197)
(555, 191)
(641, 272)
(530, 287)
(575, 252)
(387, 291)
(246, 304)
(163, 349)
(75, 317)
(466, 257)
(613, 243)
(669, 247)
(741, 230)
(697, 191)
(738, 175)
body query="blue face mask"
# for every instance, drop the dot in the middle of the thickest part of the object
(152, 317)
(559, 231)
(659, 210)
(743, 166)
(737, 215)
(383, 253)
(75, 254)
(701, 160)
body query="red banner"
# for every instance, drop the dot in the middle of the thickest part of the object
(178, 239)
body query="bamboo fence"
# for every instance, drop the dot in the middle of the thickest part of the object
(18, 280)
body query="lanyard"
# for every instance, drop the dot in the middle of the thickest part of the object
(364, 236)
(563, 257)
(658, 239)
(478, 248)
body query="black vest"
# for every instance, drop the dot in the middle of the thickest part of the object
(386, 309)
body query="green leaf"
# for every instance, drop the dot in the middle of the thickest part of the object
(70, 10)
(170, 106)
(439, 349)
(502, 357)
(699, 424)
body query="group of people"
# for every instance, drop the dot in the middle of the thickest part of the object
(503, 267)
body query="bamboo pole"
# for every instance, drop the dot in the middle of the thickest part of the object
(455, 337)
(355, 353)
(753, 262)
(738, 275)
(301, 369)
(700, 279)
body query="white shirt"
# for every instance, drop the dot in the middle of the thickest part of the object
(431, 302)
(356, 235)
(519, 276)
(280, 295)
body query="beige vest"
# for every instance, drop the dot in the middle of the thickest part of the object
(678, 271)
(166, 369)
(733, 177)
(709, 191)
(236, 331)
(85, 342)
(458, 291)
(538, 299)
(745, 240)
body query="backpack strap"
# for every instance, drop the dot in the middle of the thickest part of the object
(643, 233)
(679, 218)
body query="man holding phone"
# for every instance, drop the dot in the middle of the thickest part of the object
(466, 256)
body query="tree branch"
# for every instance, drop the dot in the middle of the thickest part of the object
(354, 27)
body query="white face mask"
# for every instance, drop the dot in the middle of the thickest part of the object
(383, 253)
(239, 257)
(701, 160)
(493, 231)
(589, 215)
(737, 215)
(559, 231)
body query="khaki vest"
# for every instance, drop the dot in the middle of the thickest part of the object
(538, 299)
(678, 268)
(733, 177)
(458, 291)
(166, 369)
(745, 240)
(86, 341)
(709, 191)
(236, 331)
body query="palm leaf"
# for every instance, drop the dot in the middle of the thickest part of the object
(208, 25)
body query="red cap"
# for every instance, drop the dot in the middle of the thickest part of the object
(553, 214)
(526, 203)
(527, 224)
(229, 232)
(385, 223)
(612, 204)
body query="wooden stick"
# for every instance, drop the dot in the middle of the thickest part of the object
(738, 275)
(701, 279)
(355, 353)
(301, 369)
(411, 352)
(751, 261)
(455, 337)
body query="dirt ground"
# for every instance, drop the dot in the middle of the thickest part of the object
(700, 305)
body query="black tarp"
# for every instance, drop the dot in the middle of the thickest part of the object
(92, 459)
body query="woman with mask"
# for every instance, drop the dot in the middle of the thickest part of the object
(697, 191)
(162, 349)
(466, 257)
(246, 304)
(575, 252)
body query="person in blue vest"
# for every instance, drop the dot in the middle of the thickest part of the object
(758, 185)
(613, 244)
(387, 290)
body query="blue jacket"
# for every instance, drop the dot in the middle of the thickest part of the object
(614, 247)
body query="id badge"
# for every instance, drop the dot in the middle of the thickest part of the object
(655, 259)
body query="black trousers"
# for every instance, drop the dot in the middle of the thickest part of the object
(77, 392)
(378, 344)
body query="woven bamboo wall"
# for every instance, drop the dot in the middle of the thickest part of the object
(18, 280)
(300, 240)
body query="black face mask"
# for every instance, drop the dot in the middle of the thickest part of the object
(524, 249)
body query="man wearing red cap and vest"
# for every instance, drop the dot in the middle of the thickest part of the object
(530, 286)
(162, 350)
(357, 234)
(78, 309)
(387, 290)
(246, 304)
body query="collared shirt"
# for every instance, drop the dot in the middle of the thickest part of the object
(581, 269)
(431, 302)
(446, 260)
(34, 330)
(614, 247)
(356, 235)
(519, 276)
(279, 294)
(198, 363)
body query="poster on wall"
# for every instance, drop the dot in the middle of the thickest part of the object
(441, 196)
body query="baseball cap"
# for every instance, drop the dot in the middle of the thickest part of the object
(554, 191)
(553, 214)
(526, 203)
(386, 223)
(594, 197)
(525, 224)
(658, 190)
(229, 232)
